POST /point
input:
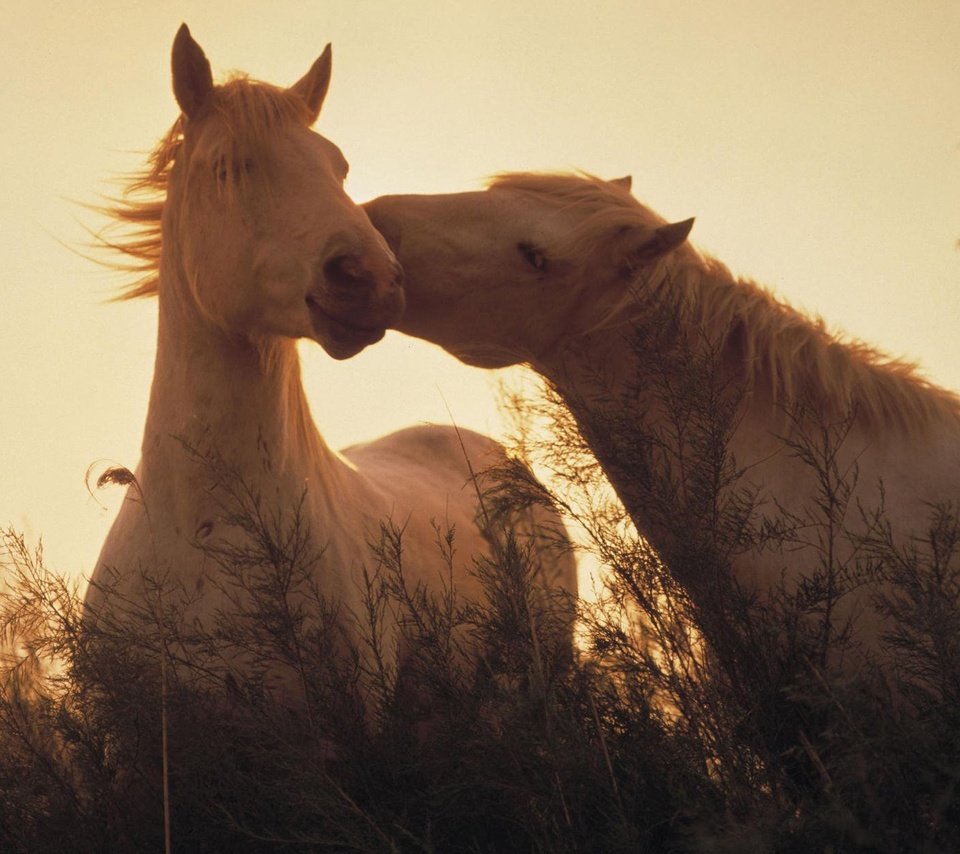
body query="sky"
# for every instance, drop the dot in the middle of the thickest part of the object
(817, 144)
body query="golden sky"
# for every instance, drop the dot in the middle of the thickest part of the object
(817, 143)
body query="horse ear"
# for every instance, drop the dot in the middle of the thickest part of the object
(624, 183)
(664, 239)
(312, 87)
(643, 245)
(192, 79)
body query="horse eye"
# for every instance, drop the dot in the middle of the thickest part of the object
(229, 170)
(533, 255)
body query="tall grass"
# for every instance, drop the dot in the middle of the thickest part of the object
(706, 723)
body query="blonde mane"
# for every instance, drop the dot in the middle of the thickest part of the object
(239, 122)
(788, 355)
(794, 357)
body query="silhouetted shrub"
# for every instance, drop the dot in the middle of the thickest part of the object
(681, 723)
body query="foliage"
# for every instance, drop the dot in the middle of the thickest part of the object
(706, 722)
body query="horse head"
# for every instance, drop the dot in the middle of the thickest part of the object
(256, 223)
(501, 276)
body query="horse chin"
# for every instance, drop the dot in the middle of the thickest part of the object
(479, 356)
(340, 349)
(341, 339)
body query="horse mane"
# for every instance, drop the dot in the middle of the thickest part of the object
(239, 121)
(573, 186)
(789, 355)
(796, 358)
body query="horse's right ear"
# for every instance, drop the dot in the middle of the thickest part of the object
(624, 183)
(192, 78)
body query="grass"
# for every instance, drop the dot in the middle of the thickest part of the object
(709, 725)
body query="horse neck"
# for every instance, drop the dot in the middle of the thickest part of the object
(592, 378)
(220, 397)
(614, 381)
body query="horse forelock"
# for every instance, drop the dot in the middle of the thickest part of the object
(245, 114)
(239, 123)
(602, 207)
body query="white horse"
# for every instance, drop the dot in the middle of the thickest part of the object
(573, 276)
(248, 240)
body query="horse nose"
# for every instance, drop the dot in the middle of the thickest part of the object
(366, 286)
(362, 275)
(346, 271)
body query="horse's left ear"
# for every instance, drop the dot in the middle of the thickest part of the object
(624, 183)
(664, 239)
(192, 78)
(312, 87)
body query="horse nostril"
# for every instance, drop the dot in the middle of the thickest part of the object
(346, 270)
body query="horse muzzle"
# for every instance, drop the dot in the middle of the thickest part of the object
(341, 335)
(357, 284)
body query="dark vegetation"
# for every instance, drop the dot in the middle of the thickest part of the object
(679, 725)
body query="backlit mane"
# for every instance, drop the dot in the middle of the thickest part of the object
(794, 357)
(783, 352)
(237, 126)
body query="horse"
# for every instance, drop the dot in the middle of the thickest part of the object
(240, 227)
(826, 440)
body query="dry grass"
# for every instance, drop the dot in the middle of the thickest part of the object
(680, 727)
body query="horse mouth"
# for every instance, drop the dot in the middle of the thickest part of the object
(344, 335)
